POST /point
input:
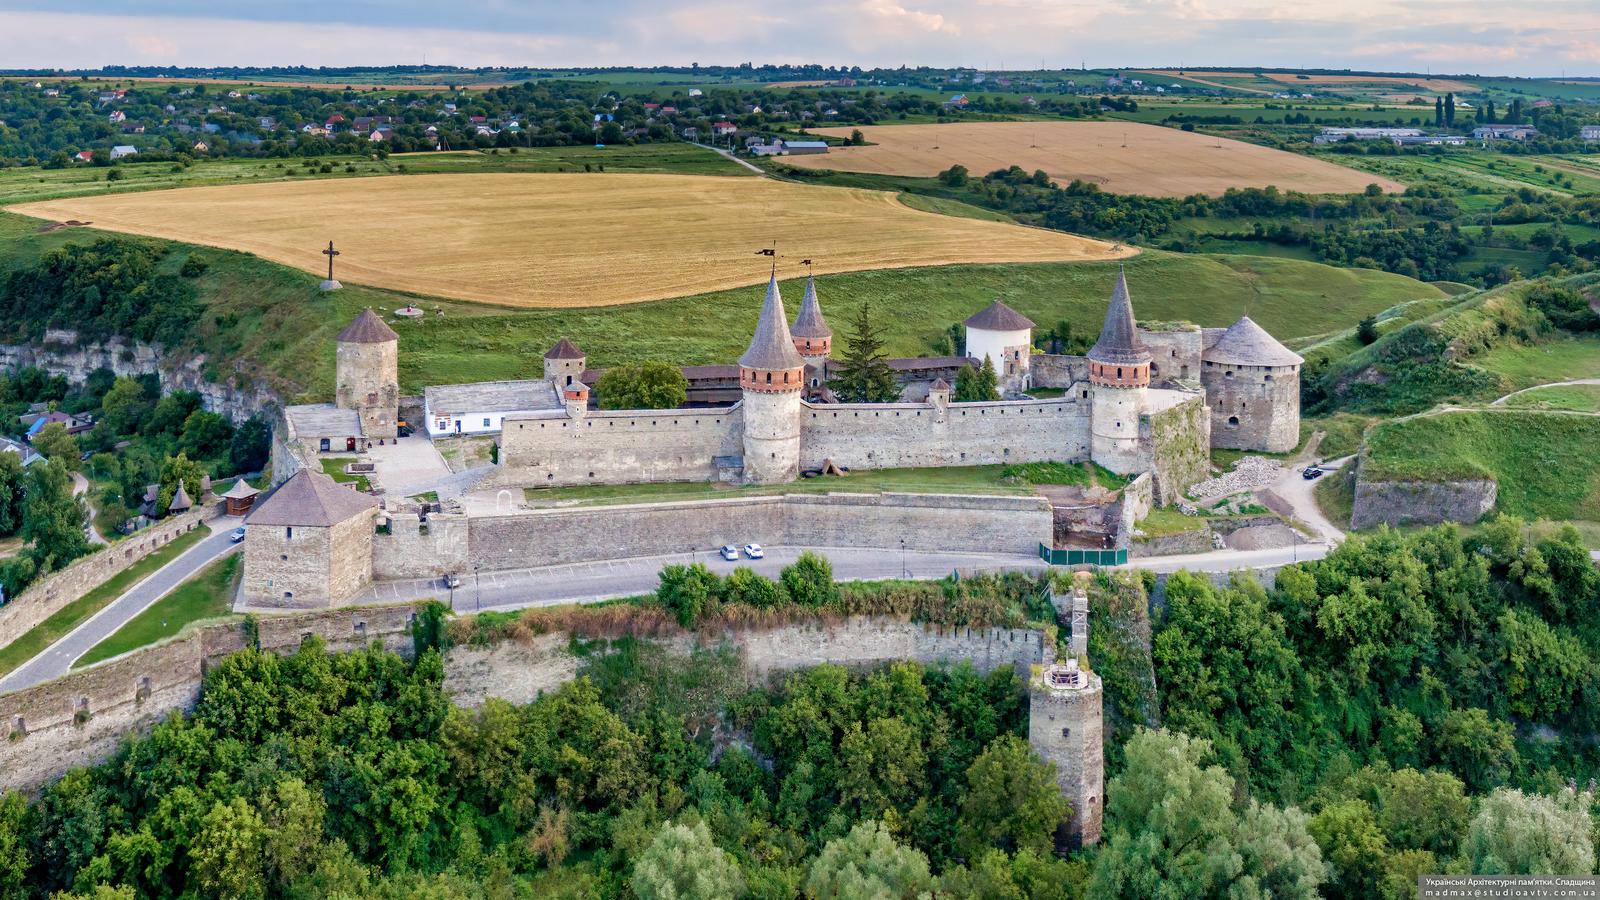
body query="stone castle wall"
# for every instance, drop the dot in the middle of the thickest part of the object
(1054, 370)
(1174, 352)
(49, 594)
(82, 718)
(1420, 502)
(602, 447)
(413, 549)
(1177, 445)
(61, 354)
(995, 524)
(919, 435)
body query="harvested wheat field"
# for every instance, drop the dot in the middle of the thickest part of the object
(1156, 161)
(565, 240)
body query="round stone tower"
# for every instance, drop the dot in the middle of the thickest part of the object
(1064, 727)
(367, 374)
(771, 377)
(813, 339)
(1005, 337)
(1119, 376)
(1252, 383)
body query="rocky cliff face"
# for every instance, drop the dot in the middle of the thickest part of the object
(60, 353)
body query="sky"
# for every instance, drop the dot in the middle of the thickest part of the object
(1528, 37)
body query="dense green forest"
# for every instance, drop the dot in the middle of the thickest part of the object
(1412, 704)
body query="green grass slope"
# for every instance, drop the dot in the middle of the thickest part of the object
(268, 323)
(1544, 462)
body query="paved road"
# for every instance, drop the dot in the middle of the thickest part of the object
(603, 580)
(56, 660)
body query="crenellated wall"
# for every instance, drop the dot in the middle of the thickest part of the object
(602, 447)
(45, 597)
(918, 435)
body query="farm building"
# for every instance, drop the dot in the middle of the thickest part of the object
(1590, 133)
(1504, 132)
(121, 150)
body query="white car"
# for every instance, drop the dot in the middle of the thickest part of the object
(754, 551)
(730, 553)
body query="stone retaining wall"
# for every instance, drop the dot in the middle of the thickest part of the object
(1418, 502)
(49, 594)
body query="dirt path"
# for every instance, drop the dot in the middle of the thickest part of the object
(1576, 381)
(80, 488)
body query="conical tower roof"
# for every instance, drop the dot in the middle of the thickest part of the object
(564, 349)
(1247, 344)
(1119, 338)
(180, 499)
(998, 317)
(367, 328)
(810, 324)
(772, 347)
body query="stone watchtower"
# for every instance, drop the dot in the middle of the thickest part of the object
(1119, 376)
(367, 374)
(1064, 727)
(771, 377)
(564, 364)
(1252, 383)
(813, 339)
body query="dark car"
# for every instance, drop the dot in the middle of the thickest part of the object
(1312, 473)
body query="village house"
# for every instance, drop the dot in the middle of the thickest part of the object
(1590, 133)
(1504, 132)
(122, 150)
(73, 424)
(201, 147)
(723, 128)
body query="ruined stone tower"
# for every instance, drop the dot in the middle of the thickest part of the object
(1252, 385)
(1064, 727)
(367, 374)
(1119, 376)
(813, 339)
(771, 377)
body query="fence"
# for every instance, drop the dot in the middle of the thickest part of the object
(1079, 557)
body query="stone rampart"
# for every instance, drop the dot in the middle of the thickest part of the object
(933, 522)
(603, 447)
(81, 718)
(1420, 502)
(1052, 370)
(923, 435)
(1178, 442)
(49, 594)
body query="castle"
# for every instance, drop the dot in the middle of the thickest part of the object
(1149, 402)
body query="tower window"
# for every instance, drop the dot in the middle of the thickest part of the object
(1233, 421)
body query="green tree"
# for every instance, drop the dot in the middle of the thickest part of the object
(864, 373)
(1012, 800)
(977, 385)
(1424, 811)
(809, 580)
(955, 176)
(123, 407)
(55, 444)
(206, 435)
(868, 863)
(647, 385)
(687, 591)
(175, 469)
(52, 518)
(882, 765)
(745, 585)
(1367, 330)
(1528, 834)
(229, 853)
(251, 446)
(13, 845)
(1356, 851)
(292, 815)
(683, 863)
(11, 494)
(1482, 750)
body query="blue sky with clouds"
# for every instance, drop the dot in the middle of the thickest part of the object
(1532, 37)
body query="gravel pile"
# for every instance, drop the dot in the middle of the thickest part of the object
(1249, 473)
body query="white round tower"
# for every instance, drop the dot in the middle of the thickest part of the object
(771, 378)
(1119, 376)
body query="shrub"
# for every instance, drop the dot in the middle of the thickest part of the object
(746, 586)
(688, 591)
(809, 581)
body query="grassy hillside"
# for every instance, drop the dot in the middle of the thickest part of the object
(266, 321)
(1484, 346)
(1544, 462)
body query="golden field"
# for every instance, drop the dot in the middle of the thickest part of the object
(1156, 161)
(566, 240)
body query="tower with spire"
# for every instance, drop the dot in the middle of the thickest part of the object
(813, 339)
(1119, 377)
(771, 378)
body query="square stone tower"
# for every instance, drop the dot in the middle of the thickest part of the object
(367, 374)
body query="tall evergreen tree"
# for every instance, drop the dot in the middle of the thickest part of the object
(1488, 112)
(977, 385)
(1450, 109)
(1438, 111)
(864, 373)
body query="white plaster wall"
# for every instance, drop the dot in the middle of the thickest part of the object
(771, 437)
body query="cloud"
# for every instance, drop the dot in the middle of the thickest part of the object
(1466, 36)
(916, 19)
